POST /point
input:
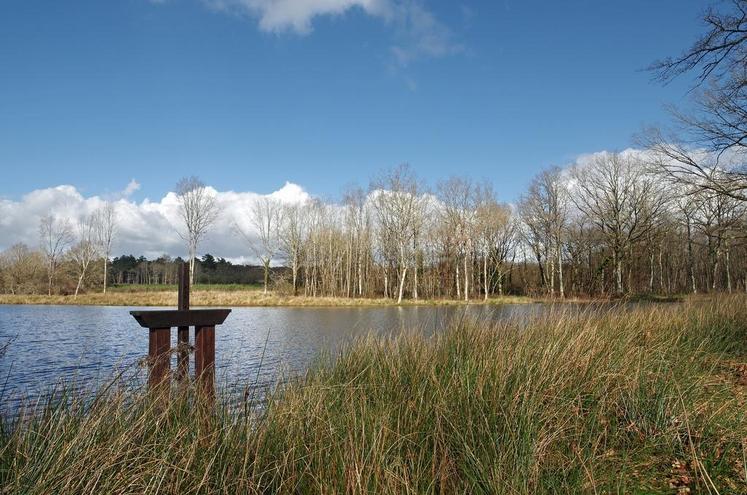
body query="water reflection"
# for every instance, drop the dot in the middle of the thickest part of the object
(88, 344)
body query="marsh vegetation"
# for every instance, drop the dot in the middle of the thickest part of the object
(648, 400)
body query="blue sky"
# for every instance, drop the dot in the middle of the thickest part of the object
(248, 95)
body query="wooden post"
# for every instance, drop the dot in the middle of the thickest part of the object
(183, 332)
(205, 359)
(160, 322)
(159, 347)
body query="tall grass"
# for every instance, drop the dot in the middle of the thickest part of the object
(649, 400)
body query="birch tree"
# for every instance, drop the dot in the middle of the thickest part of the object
(106, 230)
(198, 211)
(496, 239)
(86, 248)
(265, 218)
(56, 235)
(545, 211)
(292, 236)
(396, 202)
(458, 203)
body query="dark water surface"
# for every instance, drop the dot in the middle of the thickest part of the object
(88, 345)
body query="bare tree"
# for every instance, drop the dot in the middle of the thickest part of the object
(624, 202)
(685, 212)
(265, 217)
(198, 210)
(86, 248)
(358, 220)
(545, 212)
(396, 201)
(719, 62)
(106, 230)
(458, 197)
(718, 123)
(56, 235)
(20, 268)
(292, 236)
(495, 239)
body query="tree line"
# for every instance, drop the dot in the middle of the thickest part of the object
(609, 226)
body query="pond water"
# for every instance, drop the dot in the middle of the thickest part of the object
(87, 345)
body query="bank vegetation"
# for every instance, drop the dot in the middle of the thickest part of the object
(646, 400)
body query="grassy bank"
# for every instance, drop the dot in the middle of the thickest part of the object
(231, 296)
(645, 401)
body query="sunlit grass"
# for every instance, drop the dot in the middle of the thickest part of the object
(173, 287)
(648, 400)
(231, 296)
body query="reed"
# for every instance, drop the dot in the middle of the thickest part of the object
(647, 400)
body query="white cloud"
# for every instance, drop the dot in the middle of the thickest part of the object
(421, 34)
(295, 15)
(147, 227)
(417, 30)
(131, 187)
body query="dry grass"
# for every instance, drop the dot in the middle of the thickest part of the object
(233, 297)
(650, 400)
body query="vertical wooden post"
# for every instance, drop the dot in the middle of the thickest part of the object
(159, 347)
(205, 359)
(183, 332)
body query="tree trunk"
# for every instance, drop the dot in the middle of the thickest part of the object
(466, 280)
(106, 267)
(690, 260)
(618, 274)
(266, 264)
(651, 272)
(415, 280)
(728, 272)
(661, 269)
(560, 271)
(295, 274)
(80, 281)
(402, 285)
(459, 293)
(551, 269)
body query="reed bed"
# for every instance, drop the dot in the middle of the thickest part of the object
(647, 400)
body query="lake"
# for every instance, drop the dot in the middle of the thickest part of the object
(86, 345)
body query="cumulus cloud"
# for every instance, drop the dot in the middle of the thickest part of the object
(418, 32)
(148, 227)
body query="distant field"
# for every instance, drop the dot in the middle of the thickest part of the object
(226, 295)
(195, 287)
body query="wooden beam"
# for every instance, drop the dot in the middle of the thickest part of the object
(176, 318)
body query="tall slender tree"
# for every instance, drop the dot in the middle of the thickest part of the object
(198, 210)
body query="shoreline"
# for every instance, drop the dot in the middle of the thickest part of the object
(255, 298)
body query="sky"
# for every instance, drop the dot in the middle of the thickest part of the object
(120, 99)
